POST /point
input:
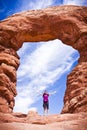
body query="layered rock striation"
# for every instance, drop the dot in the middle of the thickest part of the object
(75, 99)
(67, 23)
(9, 62)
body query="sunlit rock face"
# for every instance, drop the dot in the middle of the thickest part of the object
(75, 99)
(67, 23)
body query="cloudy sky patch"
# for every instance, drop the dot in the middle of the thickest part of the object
(40, 69)
(75, 2)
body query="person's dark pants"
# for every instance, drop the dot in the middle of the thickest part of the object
(46, 105)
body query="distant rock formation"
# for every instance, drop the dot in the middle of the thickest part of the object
(67, 23)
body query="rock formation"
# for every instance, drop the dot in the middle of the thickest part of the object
(19, 121)
(67, 23)
(9, 62)
(76, 94)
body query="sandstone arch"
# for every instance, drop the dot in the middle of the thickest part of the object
(67, 23)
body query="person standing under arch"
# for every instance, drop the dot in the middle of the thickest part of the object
(45, 96)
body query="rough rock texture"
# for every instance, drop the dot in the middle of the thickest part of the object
(9, 62)
(75, 99)
(67, 23)
(33, 121)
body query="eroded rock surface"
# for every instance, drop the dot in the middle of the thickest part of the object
(75, 99)
(9, 62)
(19, 121)
(67, 23)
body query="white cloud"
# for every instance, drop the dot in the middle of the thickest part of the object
(23, 103)
(41, 4)
(74, 2)
(44, 56)
(36, 4)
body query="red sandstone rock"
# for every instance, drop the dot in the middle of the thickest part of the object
(19, 121)
(8, 66)
(10, 71)
(75, 99)
(9, 60)
(67, 23)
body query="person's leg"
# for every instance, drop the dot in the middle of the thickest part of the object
(45, 108)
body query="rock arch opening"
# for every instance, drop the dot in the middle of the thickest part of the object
(43, 66)
(67, 23)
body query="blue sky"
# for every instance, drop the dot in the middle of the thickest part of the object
(44, 65)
